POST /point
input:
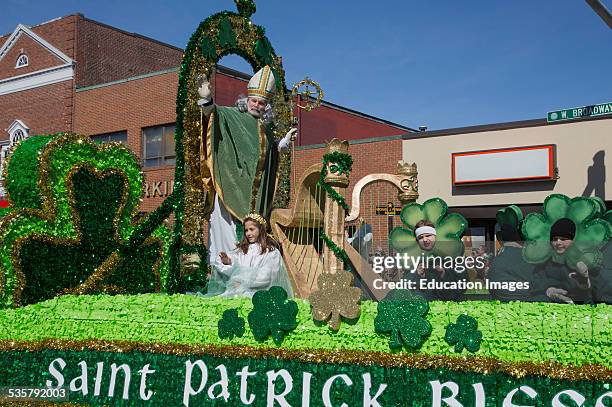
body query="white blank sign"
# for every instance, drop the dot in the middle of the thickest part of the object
(504, 165)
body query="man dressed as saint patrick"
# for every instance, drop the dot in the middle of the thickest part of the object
(239, 158)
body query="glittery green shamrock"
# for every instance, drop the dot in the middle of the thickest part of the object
(273, 314)
(510, 215)
(464, 334)
(208, 47)
(231, 324)
(592, 232)
(402, 313)
(263, 50)
(75, 205)
(226, 35)
(449, 228)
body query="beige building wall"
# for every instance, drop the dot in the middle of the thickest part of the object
(577, 143)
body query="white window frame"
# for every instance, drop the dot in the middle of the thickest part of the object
(17, 129)
(165, 155)
(20, 64)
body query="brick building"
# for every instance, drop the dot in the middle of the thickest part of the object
(76, 74)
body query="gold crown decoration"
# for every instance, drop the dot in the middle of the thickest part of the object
(256, 217)
(406, 168)
(337, 145)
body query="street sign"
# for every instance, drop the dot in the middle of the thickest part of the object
(580, 112)
(389, 209)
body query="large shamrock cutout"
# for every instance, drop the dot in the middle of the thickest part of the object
(402, 314)
(464, 334)
(335, 298)
(272, 314)
(71, 236)
(449, 228)
(591, 232)
(600, 203)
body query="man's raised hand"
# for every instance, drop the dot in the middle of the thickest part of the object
(285, 143)
(291, 134)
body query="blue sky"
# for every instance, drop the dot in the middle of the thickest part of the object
(443, 63)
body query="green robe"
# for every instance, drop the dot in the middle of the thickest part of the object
(242, 157)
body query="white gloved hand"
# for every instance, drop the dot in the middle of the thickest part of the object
(558, 294)
(286, 141)
(204, 90)
(291, 134)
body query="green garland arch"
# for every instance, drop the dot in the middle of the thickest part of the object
(219, 35)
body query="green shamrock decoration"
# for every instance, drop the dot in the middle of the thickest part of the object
(272, 314)
(70, 234)
(226, 35)
(601, 204)
(402, 313)
(464, 334)
(592, 232)
(510, 215)
(230, 324)
(22, 173)
(208, 48)
(263, 50)
(449, 228)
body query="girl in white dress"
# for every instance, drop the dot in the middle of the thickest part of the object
(255, 264)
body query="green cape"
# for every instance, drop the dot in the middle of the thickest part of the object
(242, 157)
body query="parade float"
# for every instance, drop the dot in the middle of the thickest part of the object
(93, 303)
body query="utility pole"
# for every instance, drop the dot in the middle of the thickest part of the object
(601, 10)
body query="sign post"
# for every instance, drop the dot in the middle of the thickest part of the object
(580, 112)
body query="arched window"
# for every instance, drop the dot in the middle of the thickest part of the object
(17, 132)
(22, 61)
(18, 135)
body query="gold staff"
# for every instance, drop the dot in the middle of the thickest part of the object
(299, 90)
